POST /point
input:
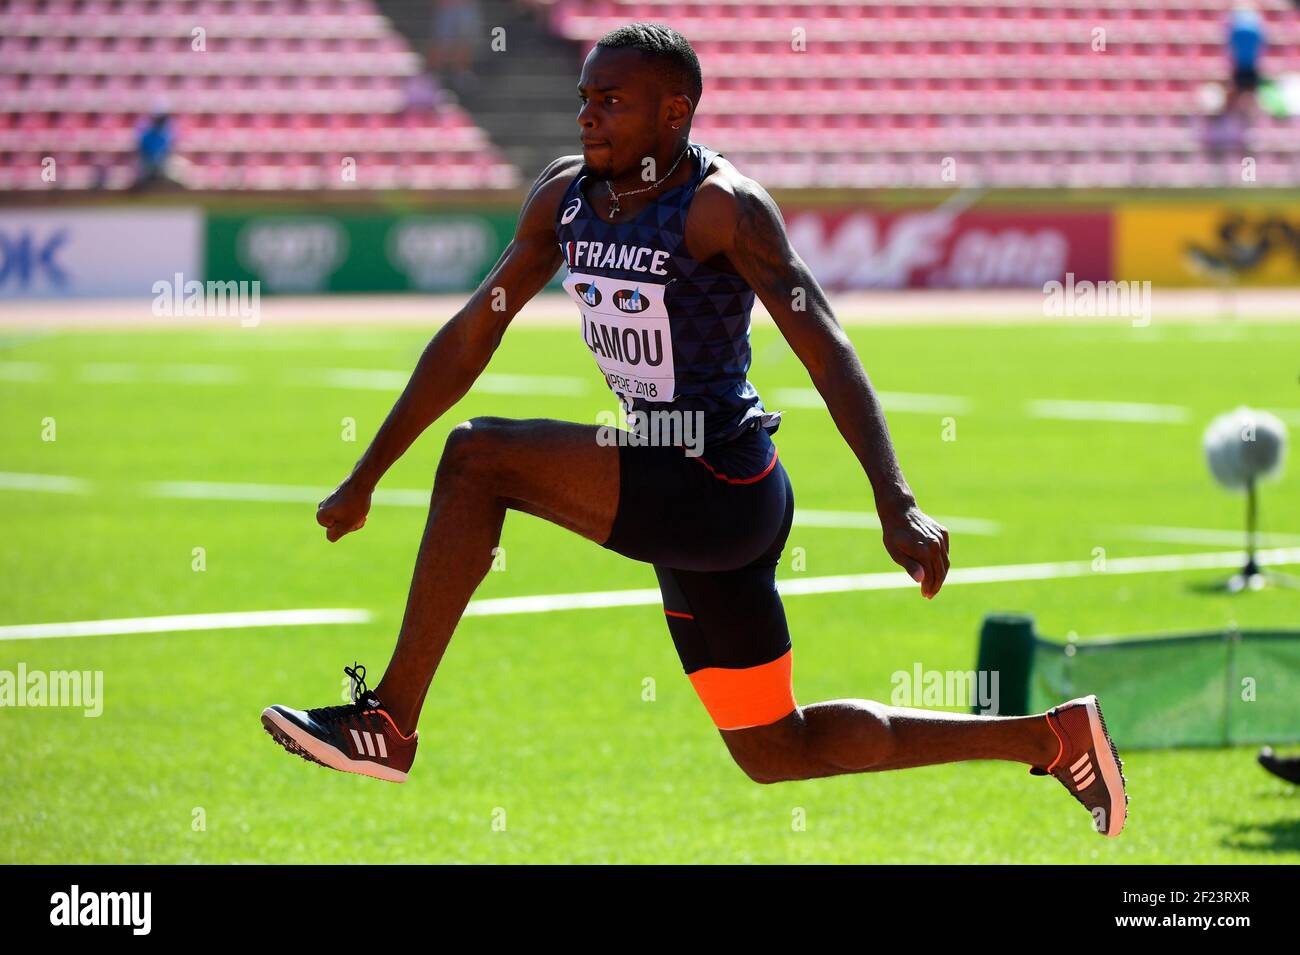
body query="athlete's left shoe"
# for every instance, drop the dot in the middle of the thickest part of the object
(1088, 765)
(358, 737)
(1283, 767)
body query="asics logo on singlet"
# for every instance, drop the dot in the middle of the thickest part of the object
(612, 255)
(570, 212)
(590, 294)
(630, 300)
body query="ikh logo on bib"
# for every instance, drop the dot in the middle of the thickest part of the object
(589, 293)
(630, 300)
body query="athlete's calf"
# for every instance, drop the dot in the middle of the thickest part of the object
(555, 470)
(856, 736)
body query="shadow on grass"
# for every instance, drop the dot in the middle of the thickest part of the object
(1278, 835)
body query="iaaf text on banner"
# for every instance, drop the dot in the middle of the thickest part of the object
(935, 248)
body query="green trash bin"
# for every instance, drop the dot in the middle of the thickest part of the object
(1007, 648)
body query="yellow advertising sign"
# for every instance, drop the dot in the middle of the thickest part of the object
(1205, 245)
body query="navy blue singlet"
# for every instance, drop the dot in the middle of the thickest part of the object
(667, 331)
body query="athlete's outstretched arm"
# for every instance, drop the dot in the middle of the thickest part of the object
(457, 354)
(749, 230)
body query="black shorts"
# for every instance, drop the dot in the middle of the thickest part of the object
(714, 527)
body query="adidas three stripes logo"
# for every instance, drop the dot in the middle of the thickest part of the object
(1082, 768)
(367, 743)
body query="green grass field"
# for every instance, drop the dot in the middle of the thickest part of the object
(541, 716)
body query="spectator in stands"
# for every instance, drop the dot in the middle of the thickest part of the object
(1225, 132)
(457, 32)
(1245, 44)
(154, 139)
(422, 93)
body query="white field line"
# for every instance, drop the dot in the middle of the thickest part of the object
(23, 371)
(51, 483)
(276, 493)
(892, 580)
(125, 373)
(896, 401)
(417, 497)
(178, 623)
(1203, 535)
(866, 520)
(394, 381)
(410, 497)
(109, 373)
(1257, 307)
(202, 374)
(1128, 411)
(380, 379)
(530, 385)
(221, 491)
(364, 379)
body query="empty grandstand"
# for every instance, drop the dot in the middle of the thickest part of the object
(280, 94)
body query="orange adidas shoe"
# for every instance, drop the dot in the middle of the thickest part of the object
(1088, 765)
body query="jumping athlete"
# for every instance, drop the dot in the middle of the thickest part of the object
(666, 245)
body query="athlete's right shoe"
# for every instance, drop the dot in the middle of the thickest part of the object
(358, 737)
(1088, 765)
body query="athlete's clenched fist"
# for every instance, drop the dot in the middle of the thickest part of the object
(919, 544)
(345, 510)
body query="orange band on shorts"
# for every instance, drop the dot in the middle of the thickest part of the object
(753, 696)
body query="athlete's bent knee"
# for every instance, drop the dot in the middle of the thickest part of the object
(760, 772)
(470, 448)
(762, 777)
(769, 754)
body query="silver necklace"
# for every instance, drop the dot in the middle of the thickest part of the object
(614, 196)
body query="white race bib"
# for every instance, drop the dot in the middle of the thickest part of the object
(625, 325)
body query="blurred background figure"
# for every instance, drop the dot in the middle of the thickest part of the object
(154, 141)
(457, 30)
(1245, 46)
(1224, 134)
(1230, 108)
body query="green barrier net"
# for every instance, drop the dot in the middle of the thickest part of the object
(1203, 689)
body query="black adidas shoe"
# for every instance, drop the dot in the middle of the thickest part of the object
(358, 737)
(1283, 767)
